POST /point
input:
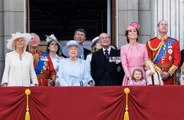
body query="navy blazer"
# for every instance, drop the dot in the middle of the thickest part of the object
(86, 52)
(104, 72)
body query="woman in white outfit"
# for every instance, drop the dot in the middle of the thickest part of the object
(19, 70)
(72, 70)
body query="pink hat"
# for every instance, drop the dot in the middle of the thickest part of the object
(133, 25)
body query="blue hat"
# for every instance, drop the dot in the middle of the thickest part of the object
(72, 43)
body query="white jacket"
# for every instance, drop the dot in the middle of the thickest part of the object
(19, 72)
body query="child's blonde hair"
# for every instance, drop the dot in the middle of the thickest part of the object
(139, 70)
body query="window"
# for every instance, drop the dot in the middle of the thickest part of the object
(62, 17)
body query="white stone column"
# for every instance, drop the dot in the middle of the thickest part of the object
(172, 11)
(1, 38)
(13, 18)
(11, 21)
(145, 19)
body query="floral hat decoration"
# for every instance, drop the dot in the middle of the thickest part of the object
(133, 25)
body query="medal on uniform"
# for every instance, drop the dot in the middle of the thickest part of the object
(41, 58)
(170, 51)
(110, 59)
(44, 67)
(114, 59)
(35, 56)
(45, 58)
(170, 58)
(45, 63)
(118, 60)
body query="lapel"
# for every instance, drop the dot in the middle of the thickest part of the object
(111, 52)
(101, 57)
(86, 52)
(114, 52)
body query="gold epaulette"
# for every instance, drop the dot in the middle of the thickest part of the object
(158, 69)
(172, 69)
(155, 49)
(157, 53)
(34, 51)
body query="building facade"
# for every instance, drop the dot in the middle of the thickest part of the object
(14, 16)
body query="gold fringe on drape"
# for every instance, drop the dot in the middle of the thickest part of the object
(27, 115)
(126, 114)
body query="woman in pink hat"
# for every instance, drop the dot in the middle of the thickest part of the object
(133, 53)
(19, 70)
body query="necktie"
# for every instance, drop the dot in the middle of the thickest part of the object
(106, 54)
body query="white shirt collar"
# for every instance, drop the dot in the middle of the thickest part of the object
(109, 50)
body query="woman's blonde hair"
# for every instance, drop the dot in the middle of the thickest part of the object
(14, 44)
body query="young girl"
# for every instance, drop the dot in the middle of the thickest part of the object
(137, 78)
(153, 77)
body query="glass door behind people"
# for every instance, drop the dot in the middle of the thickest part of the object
(62, 17)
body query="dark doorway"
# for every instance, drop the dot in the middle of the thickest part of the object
(62, 17)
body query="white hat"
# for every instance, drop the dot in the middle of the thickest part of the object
(26, 36)
(52, 38)
(72, 43)
(94, 41)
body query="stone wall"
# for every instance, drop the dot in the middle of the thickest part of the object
(148, 13)
(11, 21)
(134, 11)
(1, 38)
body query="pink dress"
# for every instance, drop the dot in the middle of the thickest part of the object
(140, 83)
(132, 57)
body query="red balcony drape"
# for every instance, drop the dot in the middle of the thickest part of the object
(93, 103)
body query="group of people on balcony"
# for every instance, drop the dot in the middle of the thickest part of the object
(135, 64)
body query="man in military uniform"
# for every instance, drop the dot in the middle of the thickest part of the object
(165, 53)
(42, 63)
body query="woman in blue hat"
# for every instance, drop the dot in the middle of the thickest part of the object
(73, 70)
